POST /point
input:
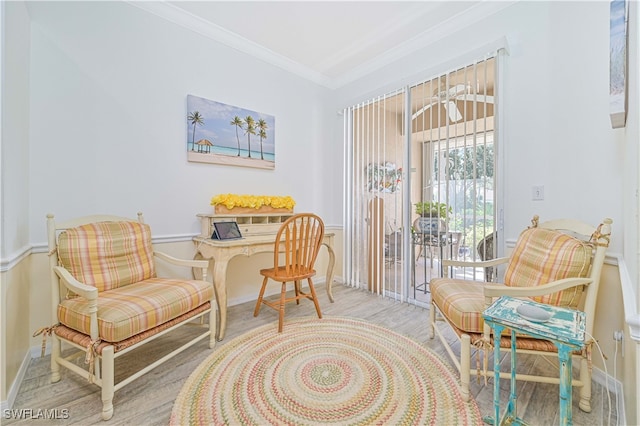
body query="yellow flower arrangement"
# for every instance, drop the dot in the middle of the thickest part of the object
(253, 201)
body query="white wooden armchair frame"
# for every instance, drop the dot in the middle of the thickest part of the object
(599, 239)
(100, 370)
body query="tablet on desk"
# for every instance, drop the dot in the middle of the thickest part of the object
(226, 231)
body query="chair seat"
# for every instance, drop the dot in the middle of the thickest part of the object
(84, 340)
(280, 274)
(127, 311)
(460, 301)
(523, 342)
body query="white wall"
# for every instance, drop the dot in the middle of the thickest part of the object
(15, 131)
(556, 119)
(14, 154)
(108, 118)
(557, 132)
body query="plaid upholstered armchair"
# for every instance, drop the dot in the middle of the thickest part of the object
(108, 299)
(557, 262)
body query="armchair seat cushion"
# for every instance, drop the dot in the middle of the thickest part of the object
(460, 301)
(126, 311)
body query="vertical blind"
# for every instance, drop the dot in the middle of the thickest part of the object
(374, 200)
(433, 141)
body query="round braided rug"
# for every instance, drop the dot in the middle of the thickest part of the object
(332, 371)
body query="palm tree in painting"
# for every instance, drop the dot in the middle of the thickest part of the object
(237, 121)
(195, 118)
(250, 130)
(262, 126)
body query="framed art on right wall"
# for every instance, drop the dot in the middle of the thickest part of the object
(618, 63)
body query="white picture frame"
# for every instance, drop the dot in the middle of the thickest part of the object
(618, 63)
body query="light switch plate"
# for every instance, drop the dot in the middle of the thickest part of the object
(537, 192)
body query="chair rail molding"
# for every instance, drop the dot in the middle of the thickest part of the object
(17, 257)
(630, 300)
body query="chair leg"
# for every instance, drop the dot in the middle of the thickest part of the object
(296, 287)
(108, 384)
(55, 355)
(212, 323)
(314, 298)
(256, 311)
(465, 366)
(585, 390)
(432, 321)
(283, 301)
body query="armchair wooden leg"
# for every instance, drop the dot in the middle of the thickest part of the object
(432, 321)
(55, 355)
(585, 389)
(260, 296)
(465, 366)
(108, 386)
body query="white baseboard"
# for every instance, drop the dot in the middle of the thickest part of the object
(614, 386)
(15, 386)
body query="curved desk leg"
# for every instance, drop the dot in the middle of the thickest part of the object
(219, 277)
(332, 263)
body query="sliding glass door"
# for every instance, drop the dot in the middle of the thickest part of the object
(422, 182)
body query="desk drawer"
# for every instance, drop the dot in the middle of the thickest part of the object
(257, 229)
(257, 224)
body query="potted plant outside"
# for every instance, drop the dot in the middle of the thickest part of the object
(433, 209)
(433, 217)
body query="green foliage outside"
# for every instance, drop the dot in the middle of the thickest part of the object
(469, 173)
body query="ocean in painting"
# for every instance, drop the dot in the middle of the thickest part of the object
(233, 152)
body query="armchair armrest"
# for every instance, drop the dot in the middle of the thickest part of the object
(477, 264)
(541, 290)
(202, 264)
(446, 263)
(86, 291)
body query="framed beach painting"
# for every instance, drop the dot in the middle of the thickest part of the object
(618, 63)
(218, 133)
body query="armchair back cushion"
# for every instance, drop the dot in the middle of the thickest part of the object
(108, 255)
(544, 255)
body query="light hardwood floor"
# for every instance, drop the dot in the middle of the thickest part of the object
(148, 400)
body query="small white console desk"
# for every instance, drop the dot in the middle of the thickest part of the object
(259, 232)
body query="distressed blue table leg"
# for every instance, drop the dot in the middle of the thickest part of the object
(511, 408)
(497, 331)
(564, 355)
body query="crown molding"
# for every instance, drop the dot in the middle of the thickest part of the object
(219, 34)
(215, 32)
(431, 36)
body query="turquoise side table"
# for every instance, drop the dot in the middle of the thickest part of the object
(564, 327)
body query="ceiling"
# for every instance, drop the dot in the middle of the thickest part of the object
(328, 42)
